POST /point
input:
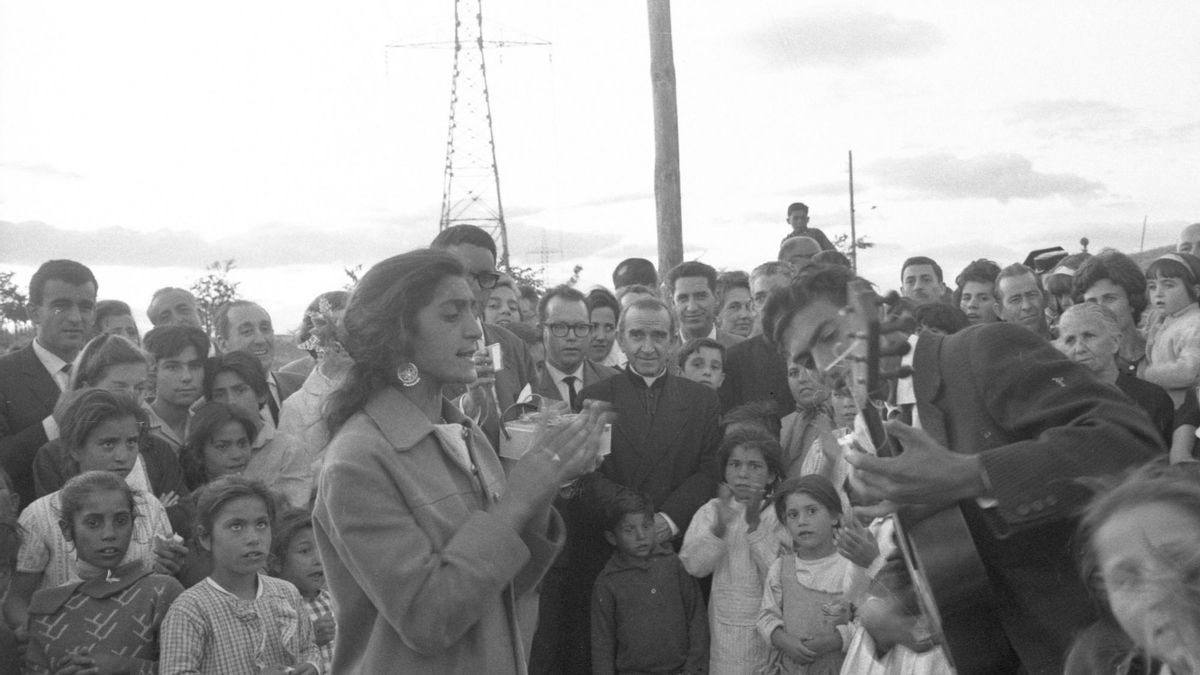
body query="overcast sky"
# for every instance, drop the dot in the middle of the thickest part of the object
(147, 139)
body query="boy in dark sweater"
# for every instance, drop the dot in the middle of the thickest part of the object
(647, 612)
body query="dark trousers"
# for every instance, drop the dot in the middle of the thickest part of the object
(562, 644)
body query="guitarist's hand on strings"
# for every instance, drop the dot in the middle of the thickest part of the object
(924, 473)
(855, 543)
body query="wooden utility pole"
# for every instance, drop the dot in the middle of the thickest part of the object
(666, 138)
(853, 233)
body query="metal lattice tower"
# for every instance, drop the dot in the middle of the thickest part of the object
(471, 184)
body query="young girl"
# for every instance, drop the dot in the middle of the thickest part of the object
(806, 599)
(1173, 336)
(101, 430)
(110, 620)
(218, 443)
(237, 620)
(734, 539)
(1140, 552)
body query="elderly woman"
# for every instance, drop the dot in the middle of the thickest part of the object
(432, 555)
(1090, 335)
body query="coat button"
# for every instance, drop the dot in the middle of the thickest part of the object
(1037, 505)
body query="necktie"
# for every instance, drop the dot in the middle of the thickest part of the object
(274, 408)
(572, 392)
(64, 378)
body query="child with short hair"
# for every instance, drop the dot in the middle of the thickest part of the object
(218, 443)
(1139, 543)
(294, 559)
(237, 378)
(179, 353)
(237, 620)
(703, 360)
(735, 538)
(110, 620)
(1173, 336)
(647, 611)
(805, 603)
(102, 431)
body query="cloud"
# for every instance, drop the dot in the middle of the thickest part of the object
(1071, 112)
(993, 176)
(40, 170)
(842, 39)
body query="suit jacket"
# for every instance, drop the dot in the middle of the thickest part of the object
(756, 371)
(1038, 422)
(517, 372)
(288, 383)
(27, 396)
(592, 373)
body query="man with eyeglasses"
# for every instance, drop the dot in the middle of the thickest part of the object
(563, 638)
(495, 389)
(62, 300)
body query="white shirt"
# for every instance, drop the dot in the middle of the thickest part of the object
(559, 376)
(712, 334)
(53, 364)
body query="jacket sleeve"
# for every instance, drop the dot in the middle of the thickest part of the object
(604, 629)
(699, 487)
(1070, 425)
(1184, 369)
(430, 595)
(702, 551)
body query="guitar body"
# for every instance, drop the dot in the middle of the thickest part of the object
(953, 588)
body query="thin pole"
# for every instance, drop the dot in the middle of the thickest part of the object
(1144, 219)
(667, 193)
(853, 233)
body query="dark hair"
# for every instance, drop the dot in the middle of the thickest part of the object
(815, 485)
(832, 257)
(945, 318)
(288, 524)
(66, 271)
(78, 413)
(981, 271)
(335, 299)
(528, 334)
(634, 289)
(797, 206)
(207, 421)
(241, 364)
(648, 305)
(1183, 266)
(77, 488)
(625, 502)
(456, 235)
(1060, 279)
(567, 293)
(764, 443)
(1016, 270)
(107, 308)
(213, 496)
(101, 353)
(380, 322)
(221, 319)
(527, 292)
(602, 297)
(773, 267)
(1118, 268)
(164, 342)
(728, 280)
(632, 271)
(763, 414)
(815, 282)
(163, 291)
(692, 268)
(921, 260)
(696, 344)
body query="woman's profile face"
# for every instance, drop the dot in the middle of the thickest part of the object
(444, 342)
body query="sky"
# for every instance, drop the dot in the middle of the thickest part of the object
(148, 139)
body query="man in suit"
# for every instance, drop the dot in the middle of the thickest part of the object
(693, 288)
(173, 307)
(496, 389)
(1020, 299)
(62, 299)
(563, 638)
(755, 370)
(921, 280)
(244, 326)
(1004, 425)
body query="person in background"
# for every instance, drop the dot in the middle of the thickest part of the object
(603, 310)
(627, 295)
(921, 280)
(975, 291)
(702, 360)
(754, 369)
(294, 559)
(62, 302)
(799, 251)
(1021, 299)
(1189, 240)
(324, 305)
(797, 218)
(114, 317)
(173, 307)
(735, 313)
(943, 318)
(1173, 339)
(693, 292)
(528, 303)
(1059, 283)
(1114, 280)
(178, 353)
(504, 304)
(245, 326)
(634, 271)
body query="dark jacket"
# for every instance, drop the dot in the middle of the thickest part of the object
(27, 396)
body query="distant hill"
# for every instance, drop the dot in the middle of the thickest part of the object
(1144, 258)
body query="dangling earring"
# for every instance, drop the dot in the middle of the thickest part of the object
(408, 374)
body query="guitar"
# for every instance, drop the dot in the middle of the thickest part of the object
(947, 575)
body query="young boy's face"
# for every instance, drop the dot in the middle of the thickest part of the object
(229, 387)
(705, 366)
(178, 378)
(302, 566)
(634, 535)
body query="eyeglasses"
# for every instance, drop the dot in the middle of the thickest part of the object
(561, 329)
(486, 279)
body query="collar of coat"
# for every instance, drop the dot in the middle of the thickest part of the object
(403, 424)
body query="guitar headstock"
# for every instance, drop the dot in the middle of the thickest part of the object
(866, 313)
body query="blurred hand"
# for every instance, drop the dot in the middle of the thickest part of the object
(724, 510)
(168, 499)
(168, 556)
(662, 529)
(855, 542)
(323, 630)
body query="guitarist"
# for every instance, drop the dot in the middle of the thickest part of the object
(1004, 424)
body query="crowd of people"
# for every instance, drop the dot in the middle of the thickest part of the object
(705, 489)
